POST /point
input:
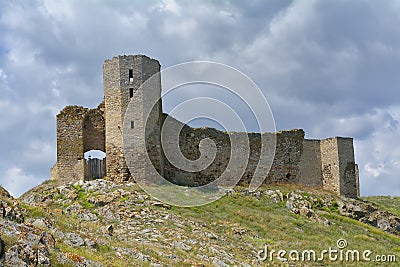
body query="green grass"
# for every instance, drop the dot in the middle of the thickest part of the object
(271, 223)
(242, 225)
(83, 197)
(34, 211)
(9, 241)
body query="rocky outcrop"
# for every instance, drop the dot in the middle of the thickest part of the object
(370, 214)
(10, 210)
(32, 245)
(311, 206)
(121, 222)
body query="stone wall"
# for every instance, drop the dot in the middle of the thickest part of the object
(348, 169)
(289, 148)
(70, 142)
(310, 163)
(189, 145)
(285, 167)
(327, 164)
(94, 131)
(115, 165)
(339, 171)
(330, 165)
(78, 130)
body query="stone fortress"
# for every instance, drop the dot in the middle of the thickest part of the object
(326, 164)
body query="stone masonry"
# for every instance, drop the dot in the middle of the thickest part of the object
(327, 164)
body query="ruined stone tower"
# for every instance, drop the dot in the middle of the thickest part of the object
(122, 77)
(339, 171)
(327, 164)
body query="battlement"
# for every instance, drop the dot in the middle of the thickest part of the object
(327, 164)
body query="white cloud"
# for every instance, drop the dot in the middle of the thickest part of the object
(359, 126)
(39, 152)
(3, 76)
(374, 171)
(18, 181)
(379, 156)
(171, 6)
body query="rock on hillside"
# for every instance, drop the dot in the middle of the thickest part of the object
(99, 223)
(4, 193)
(21, 244)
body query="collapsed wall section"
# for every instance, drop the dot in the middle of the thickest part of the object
(78, 130)
(94, 130)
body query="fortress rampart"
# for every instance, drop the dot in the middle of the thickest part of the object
(327, 164)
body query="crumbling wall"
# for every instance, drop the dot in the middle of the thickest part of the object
(78, 130)
(94, 131)
(330, 165)
(339, 171)
(69, 142)
(348, 169)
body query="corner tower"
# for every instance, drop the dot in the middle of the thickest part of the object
(122, 77)
(339, 170)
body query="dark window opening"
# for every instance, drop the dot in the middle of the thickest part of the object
(131, 92)
(132, 124)
(288, 176)
(131, 75)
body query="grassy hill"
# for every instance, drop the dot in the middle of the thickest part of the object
(103, 224)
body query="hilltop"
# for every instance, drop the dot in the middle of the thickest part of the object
(100, 223)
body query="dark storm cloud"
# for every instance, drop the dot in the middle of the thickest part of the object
(330, 67)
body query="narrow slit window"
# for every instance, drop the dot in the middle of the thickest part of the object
(131, 75)
(131, 92)
(132, 124)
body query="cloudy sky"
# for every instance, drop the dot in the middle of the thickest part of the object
(329, 67)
